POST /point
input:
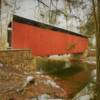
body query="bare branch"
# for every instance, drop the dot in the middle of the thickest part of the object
(7, 3)
(43, 3)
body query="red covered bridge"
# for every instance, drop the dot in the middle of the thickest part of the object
(45, 39)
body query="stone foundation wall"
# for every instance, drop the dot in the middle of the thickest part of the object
(19, 59)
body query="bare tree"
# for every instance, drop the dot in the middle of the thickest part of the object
(98, 52)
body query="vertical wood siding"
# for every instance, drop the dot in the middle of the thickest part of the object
(44, 42)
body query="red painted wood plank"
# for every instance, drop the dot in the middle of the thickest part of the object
(45, 42)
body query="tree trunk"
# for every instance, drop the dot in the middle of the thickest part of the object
(98, 51)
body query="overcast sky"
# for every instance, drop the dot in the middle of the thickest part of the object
(29, 9)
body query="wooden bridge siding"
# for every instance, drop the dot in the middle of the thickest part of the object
(45, 42)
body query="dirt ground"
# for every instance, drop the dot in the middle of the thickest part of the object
(63, 84)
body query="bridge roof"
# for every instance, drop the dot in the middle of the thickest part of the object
(43, 25)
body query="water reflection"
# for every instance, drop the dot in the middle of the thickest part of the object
(60, 68)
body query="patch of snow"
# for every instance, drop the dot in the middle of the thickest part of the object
(29, 78)
(52, 83)
(44, 97)
(85, 97)
(91, 62)
(60, 57)
(38, 72)
(93, 73)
